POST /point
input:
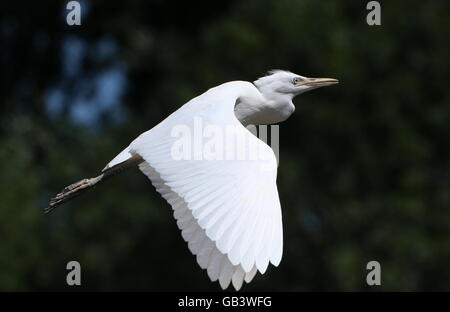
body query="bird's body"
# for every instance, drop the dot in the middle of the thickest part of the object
(215, 105)
(227, 208)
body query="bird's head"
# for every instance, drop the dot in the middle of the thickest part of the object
(278, 89)
(280, 82)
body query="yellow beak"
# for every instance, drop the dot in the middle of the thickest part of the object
(320, 82)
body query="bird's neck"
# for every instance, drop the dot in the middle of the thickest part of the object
(282, 104)
(279, 99)
(265, 110)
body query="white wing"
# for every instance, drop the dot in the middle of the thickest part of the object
(228, 210)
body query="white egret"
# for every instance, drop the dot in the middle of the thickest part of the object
(228, 210)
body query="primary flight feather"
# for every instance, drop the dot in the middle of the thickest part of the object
(225, 201)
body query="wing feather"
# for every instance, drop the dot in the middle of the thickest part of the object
(228, 211)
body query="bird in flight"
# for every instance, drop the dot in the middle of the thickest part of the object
(227, 208)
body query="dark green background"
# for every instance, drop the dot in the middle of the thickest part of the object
(364, 170)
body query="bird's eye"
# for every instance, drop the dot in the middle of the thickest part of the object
(296, 80)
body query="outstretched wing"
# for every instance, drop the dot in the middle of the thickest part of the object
(227, 208)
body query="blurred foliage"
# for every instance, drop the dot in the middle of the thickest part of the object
(364, 170)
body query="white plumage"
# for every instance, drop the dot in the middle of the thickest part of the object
(228, 211)
(227, 208)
